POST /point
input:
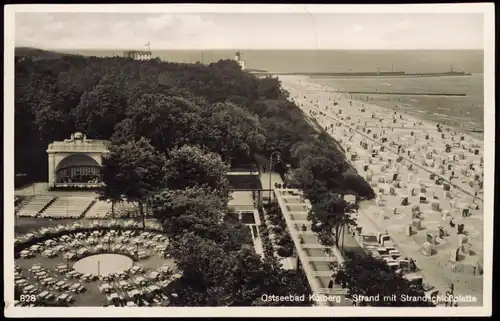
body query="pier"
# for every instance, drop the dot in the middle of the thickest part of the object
(402, 93)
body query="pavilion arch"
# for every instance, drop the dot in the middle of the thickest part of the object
(76, 161)
(77, 165)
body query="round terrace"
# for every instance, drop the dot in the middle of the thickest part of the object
(94, 265)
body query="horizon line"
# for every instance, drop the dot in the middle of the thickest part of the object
(262, 49)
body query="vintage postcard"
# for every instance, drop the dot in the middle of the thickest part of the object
(264, 160)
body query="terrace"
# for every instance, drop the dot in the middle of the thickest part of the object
(317, 261)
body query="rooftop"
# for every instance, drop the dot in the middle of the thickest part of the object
(79, 141)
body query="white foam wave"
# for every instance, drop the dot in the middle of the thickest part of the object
(441, 115)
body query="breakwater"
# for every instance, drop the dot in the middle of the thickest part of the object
(402, 93)
(428, 129)
(363, 74)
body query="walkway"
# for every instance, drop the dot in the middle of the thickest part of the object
(264, 180)
(312, 255)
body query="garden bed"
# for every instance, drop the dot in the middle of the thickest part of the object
(278, 233)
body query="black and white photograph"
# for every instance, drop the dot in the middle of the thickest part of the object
(333, 158)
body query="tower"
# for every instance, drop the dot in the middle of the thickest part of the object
(237, 58)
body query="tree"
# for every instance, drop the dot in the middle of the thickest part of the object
(219, 106)
(332, 214)
(269, 87)
(369, 276)
(232, 131)
(319, 174)
(195, 209)
(313, 188)
(99, 110)
(149, 109)
(354, 183)
(135, 169)
(253, 277)
(114, 186)
(190, 166)
(168, 121)
(205, 266)
(280, 136)
(234, 278)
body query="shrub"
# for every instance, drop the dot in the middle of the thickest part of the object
(357, 185)
(285, 251)
(316, 228)
(325, 238)
(277, 230)
(284, 240)
(268, 250)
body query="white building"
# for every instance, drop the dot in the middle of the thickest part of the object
(237, 58)
(139, 54)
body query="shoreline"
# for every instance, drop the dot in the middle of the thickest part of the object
(413, 114)
(401, 93)
(344, 122)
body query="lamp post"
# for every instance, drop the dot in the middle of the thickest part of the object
(343, 233)
(270, 169)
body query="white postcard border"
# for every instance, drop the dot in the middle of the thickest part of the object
(489, 146)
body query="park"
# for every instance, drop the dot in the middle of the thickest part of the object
(175, 181)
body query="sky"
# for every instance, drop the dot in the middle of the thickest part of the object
(296, 30)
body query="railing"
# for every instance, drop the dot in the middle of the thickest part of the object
(330, 291)
(242, 207)
(82, 185)
(77, 147)
(321, 259)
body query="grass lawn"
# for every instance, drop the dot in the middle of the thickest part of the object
(244, 182)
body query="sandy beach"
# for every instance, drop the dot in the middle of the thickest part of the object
(428, 182)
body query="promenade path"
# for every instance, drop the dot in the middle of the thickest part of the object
(315, 258)
(345, 123)
(312, 255)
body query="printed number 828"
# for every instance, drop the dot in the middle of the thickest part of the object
(27, 298)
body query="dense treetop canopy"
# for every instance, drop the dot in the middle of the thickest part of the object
(228, 111)
(370, 277)
(176, 130)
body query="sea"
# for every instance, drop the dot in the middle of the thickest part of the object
(461, 112)
(465, 112)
